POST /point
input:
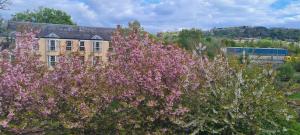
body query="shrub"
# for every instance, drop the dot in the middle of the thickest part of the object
(296, 66)
(236, 101)
(296, 78)
(286, 72)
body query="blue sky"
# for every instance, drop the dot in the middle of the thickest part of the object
(279, 4)
(171, 15)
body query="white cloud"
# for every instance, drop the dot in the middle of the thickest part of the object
(170, 15)
(79, 11)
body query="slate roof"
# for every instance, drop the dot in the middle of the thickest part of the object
(64, 31)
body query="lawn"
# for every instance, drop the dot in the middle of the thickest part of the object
(295, 96)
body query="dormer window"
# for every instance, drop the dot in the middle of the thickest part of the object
(97, 37)
(97, 46)
(69, 45)
(52, 35)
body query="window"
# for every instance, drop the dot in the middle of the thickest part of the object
(69, 45)
(97, 60)
(81, 46)
(81, 58)
(12, 57)
(52, 45)
(97, 46)
(52, 60)
(35, 47)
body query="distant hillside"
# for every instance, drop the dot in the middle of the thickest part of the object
(257, 32)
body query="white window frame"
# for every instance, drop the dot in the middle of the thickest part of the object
(50, 62)
(81, 46)
(82, 61)
(35, 47)
(11, 57)
(69, 46)
(55, 45)
(99, 60)
(95, 47)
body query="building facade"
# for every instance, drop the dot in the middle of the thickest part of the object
(51, 48)
(55, 40)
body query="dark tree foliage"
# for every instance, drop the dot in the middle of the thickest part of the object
(286, 72)
(44, 15)
(189, 39)
(257, 32)
(133, 25)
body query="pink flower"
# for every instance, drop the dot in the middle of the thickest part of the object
(151, 103)
(4, 123)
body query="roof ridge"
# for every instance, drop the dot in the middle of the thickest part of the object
(52, 24)
(66, 31)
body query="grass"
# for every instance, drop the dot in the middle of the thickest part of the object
(295, 96)
(294, 128)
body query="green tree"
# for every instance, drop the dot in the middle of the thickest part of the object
(135, 24)
(44, 15)
(168, 37)
(265, 43)
(5, 41)
(286, 72)
(189, 39)
(296, 65)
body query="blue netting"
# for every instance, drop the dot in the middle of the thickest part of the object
(259, 51)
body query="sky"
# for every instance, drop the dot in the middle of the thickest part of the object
(171, 15)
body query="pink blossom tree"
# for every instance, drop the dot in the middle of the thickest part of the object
(148, 76)
(144, 88)
(35, 99)
(141, 75)
(21, 80)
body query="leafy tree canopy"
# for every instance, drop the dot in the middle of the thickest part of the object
(257, 32)
(286, 72)
(44, 15)
(135, 24)
(188, 39)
